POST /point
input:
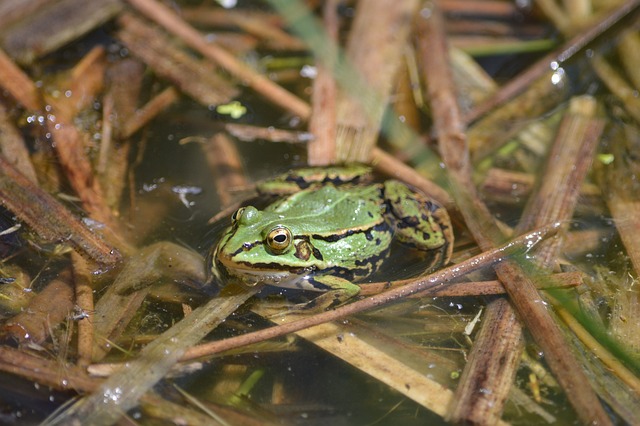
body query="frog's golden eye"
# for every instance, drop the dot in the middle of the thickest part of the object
(236, 215)
(279, 239)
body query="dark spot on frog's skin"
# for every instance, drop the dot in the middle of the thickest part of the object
(340, 338)
(317, 254)
(378, 241)
(370, 214)
(408, 386)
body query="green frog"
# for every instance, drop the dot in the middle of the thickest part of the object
(331, 227)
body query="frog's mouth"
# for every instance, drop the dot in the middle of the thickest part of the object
(253, 275)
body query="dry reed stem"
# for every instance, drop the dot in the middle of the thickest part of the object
(567, 164)
(322, 124)
(617, 85)
(45, 372)
(477, 288)
(16, 82)
(48, 218)
(470, 404)
(619, 185)
(629, 54)
(86, 80)
(149, 111)
(249, 133)
(175, 25)
(558, 56)
(225, 164)
(521, 290)
(13, 147)
(376, 40)
(83, 310)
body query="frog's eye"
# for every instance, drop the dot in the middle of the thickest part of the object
(236, 215)
(279, 239)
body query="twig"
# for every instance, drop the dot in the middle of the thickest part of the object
(149, 111)
(476, 288)
(13, 147)
(224, 162)
(322, 124)
(424, 285)
(84, 304)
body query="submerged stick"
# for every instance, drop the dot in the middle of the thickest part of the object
(50, 219)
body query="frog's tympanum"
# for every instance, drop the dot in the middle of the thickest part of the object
(330, 228)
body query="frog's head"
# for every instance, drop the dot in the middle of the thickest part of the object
(261, 248)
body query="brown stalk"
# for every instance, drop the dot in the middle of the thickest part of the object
(264, 26)
(189, 75)
(46, 372)
(246, 132)
(83, 310)
(472, 406)
(149, 111)
(321, 151)
(16, 82)
(559, 56)
(617, 85)
(172, 23)
(48, 218)
(475, 8)
(629, 54)
(477, 288)
(224, 162)
(13, 147)
(423, 285)
(124, 82)
(376, 40)
(86, 79)
(618, 183)
(509, 186)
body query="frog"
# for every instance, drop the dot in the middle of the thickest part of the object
(329, 228)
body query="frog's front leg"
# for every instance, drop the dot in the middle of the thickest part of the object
(420, 222)
(336, 291)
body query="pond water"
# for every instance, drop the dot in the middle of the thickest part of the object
(171, 191)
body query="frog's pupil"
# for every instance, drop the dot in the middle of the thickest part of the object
(280, 238)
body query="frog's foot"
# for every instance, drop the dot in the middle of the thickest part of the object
(420, 222)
